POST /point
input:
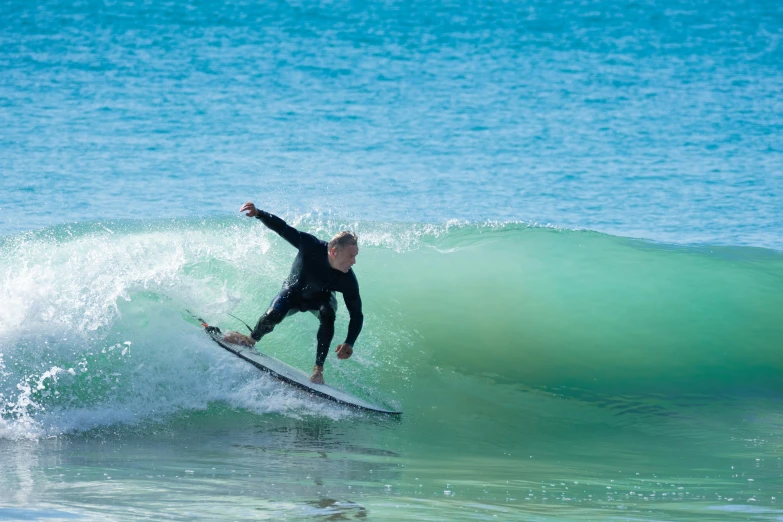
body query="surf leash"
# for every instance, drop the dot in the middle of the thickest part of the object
(241, 321)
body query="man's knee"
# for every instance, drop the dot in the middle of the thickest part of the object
(274, 315)
(326, 313)
(280, 307)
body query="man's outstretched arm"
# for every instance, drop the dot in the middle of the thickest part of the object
(275, 224)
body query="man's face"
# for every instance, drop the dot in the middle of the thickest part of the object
(344, 258)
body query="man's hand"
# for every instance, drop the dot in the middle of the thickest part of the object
(250, 208)
(238, 338)
(344, 351)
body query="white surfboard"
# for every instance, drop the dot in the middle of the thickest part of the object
(294, 376)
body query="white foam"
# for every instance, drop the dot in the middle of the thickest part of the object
(93, 335)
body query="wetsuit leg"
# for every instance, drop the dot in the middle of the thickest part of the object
(280, 307)
(325, 332)
(327, 313)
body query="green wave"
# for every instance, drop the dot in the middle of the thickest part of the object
(590, 311)
(579, 313)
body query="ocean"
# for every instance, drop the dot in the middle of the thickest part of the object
(571, 258)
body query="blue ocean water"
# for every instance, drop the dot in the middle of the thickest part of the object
(570, 227)
(653, 119)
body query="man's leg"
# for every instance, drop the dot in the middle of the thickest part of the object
(278, 309)
(326, 314)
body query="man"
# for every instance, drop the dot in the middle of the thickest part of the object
(319, 270)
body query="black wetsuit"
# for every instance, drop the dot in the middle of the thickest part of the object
(310, 287)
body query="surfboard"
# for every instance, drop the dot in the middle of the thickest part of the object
(293, 376)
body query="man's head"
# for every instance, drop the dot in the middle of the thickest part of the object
(343, 249)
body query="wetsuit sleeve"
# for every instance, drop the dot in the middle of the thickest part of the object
(283, 229)
(353, 302)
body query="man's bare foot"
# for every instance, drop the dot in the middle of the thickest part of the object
(318, 375)
(238, 338)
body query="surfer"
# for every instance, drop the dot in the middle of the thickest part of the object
(319, 270)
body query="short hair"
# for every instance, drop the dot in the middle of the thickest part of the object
(342, 239)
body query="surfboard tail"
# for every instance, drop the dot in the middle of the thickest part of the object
(207, 327)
